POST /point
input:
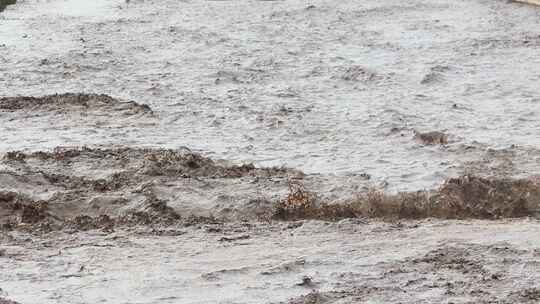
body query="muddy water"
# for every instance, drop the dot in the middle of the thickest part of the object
(324, 87)
(357, 94)
(424, 262)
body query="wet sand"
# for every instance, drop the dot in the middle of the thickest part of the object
(269, 152)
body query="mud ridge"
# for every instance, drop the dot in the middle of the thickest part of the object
(72, 102)
(464, 197)
(89, 188)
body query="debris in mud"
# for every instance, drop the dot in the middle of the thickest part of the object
(431, 138)
(72, 102)
(458, 198)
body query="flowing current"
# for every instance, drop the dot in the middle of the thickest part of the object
(330, 100)
(322, 86)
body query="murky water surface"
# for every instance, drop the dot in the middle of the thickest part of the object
(325, 87)
(343, 90)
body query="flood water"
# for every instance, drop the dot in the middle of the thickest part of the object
(330, 88)
(360, 95)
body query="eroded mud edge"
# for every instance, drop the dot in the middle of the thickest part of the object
(92, 188)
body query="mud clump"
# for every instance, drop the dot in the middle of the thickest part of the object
(431, 138)
(459, 198)
(72, 102)
(488, 198)
(303, 204)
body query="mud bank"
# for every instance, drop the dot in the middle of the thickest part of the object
(462, 198)
(71, 103)
(90, 188)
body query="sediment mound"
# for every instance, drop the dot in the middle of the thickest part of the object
(458, 198)
(89, 188)
(4, 301)
(72, 102)
(86, 188)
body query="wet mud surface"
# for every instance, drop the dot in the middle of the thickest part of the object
(269, 152)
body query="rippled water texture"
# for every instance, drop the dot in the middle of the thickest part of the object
(326, 87)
